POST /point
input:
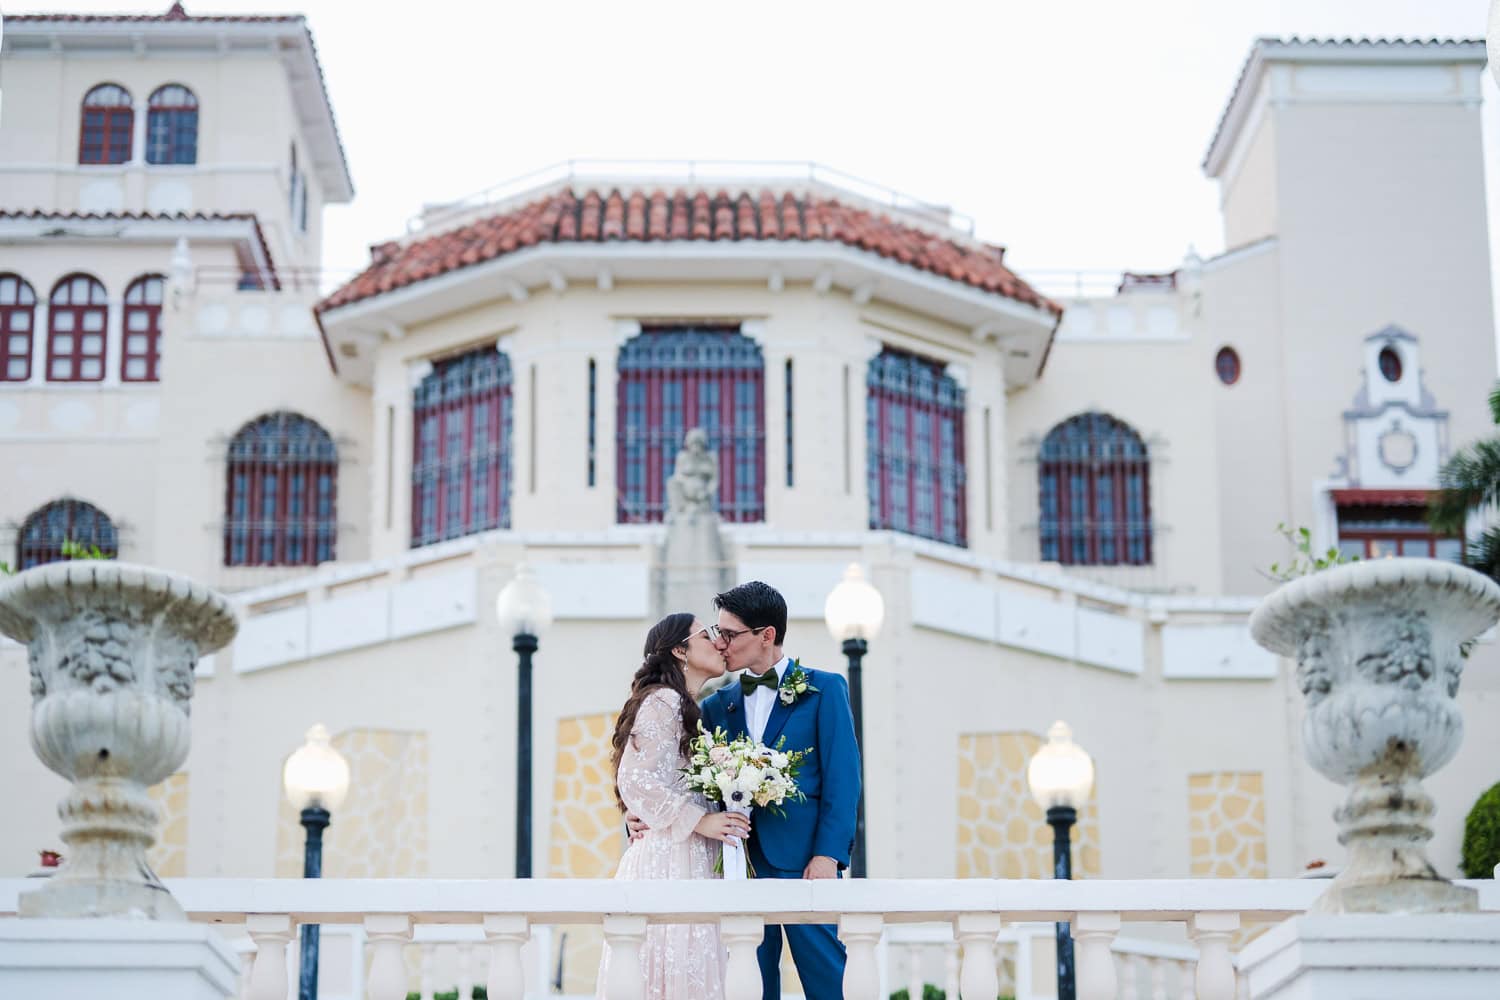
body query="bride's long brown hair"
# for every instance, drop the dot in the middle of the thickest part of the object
(658, 669)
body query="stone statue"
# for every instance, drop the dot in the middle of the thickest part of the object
(694, 485)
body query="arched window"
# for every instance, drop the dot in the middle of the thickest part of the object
(17, 315)
(141, 359)
(77, 316)
(914, 431)
(1095, 493)
(461, 467)
(282, 492)
(671, 380)
(108, 121)
(45, 531)
(172, 125)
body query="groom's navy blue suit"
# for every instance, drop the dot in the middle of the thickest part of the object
(781, 846)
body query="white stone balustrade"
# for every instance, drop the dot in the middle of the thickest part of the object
(871, 915)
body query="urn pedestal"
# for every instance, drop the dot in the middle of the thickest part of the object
(111, 648)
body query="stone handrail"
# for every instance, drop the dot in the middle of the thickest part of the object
(507, 910)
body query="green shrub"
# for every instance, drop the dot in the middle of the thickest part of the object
(1482, 836)
(931, 992)
(479, 994)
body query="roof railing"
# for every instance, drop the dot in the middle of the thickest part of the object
(669, 174)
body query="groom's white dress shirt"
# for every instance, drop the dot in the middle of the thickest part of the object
(758, 706)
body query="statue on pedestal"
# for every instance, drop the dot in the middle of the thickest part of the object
(694, 484)
(692, 565)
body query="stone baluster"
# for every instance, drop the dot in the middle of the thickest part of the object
(424, 983)
(976, 933)
(1214, 978)
(465, 971)
(271, 932)
(1185, 970)
(624, 935)
(388, 934)
(247, 964)
(914, 979)
(950, 970)
(1159, 979)
(1093, 934)
(1129, 973)
(741, 935)
(507, 933)
(860, 933)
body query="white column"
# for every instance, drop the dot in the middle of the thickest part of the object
(465, 969)
(741, 935)
(270, 932)
(914, 981)
(388, 934)
(142, 112)
(114, 339)
(1093, 934)
(424, 984)
(40, 319)
(950, 970)
(624, 935)
(1215, 976)
(1130, 970)
(507, 977)
(860, 933)
(976, 933)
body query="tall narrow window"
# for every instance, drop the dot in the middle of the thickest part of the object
(915, 433)
(281, 495)
(108, 121)
(461, 462)
(77, 315)
(141, 359)
(1095, 484)
(172, 125)
(44, 532)
(17, 317)
(593, 416)
(673, 379)
(292, 180)
(789, 412)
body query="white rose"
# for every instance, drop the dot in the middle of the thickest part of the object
(779, 760)
(725, 783)
(749, 778)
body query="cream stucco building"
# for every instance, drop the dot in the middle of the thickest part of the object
(1067, 505)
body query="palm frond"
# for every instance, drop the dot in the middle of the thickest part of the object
(1483, 553)
(1495, 403)
(1471, 478)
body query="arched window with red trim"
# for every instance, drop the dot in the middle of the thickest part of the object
(461, 464)
(45, 531)
(281, 494)
(914, 431)
(172, 125)
(17, 318)
(671, 380)
(77, 314)
(1095, 493)
(107, 125)
(140, 361)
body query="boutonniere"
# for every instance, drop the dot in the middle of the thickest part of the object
(794, 685)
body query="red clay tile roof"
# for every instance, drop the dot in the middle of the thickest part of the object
(174, 13)
(640, 216)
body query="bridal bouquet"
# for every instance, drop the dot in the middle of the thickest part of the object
(742, 775)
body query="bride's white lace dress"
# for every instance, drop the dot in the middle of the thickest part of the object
(678, 961)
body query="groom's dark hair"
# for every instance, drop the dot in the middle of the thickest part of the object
(757, 605)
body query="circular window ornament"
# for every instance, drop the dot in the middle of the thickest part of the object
(1227, 365)
(1390, 364)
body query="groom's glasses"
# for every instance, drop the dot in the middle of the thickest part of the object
(730, 634)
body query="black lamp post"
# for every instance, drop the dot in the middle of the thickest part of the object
(315, 779)
(1061, 775)
(524, 611)
(854, 613)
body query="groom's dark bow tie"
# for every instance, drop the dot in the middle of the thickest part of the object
(749, 682)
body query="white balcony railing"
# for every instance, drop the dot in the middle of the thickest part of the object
(874, 918)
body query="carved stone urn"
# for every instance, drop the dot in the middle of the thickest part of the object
(112, 649)
(1378, 662)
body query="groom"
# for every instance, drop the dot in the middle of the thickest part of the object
(778, 698)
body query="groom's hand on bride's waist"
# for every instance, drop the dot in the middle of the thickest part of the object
(821, 867)
(636, 826)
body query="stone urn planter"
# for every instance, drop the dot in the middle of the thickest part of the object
(1377, 651)
(112, 649)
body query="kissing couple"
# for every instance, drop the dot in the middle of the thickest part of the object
(673, 830)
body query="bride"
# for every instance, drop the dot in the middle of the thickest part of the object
(649, 748)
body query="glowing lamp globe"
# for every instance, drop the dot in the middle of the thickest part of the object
(1060, 773)
(854, 609)
(316, 776)
(524, 607)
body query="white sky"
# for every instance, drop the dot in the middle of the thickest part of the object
(1071, 130)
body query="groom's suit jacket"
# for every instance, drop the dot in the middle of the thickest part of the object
(819, 721)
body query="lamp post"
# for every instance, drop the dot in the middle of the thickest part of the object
(854, 613)
(1061, 776)
(315, 779)
(525, 612)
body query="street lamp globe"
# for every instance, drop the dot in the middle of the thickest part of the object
(1060, 773)
(854, 609)
(316, 776)
(524, 607)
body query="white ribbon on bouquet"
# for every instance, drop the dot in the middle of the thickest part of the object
(735, 862)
